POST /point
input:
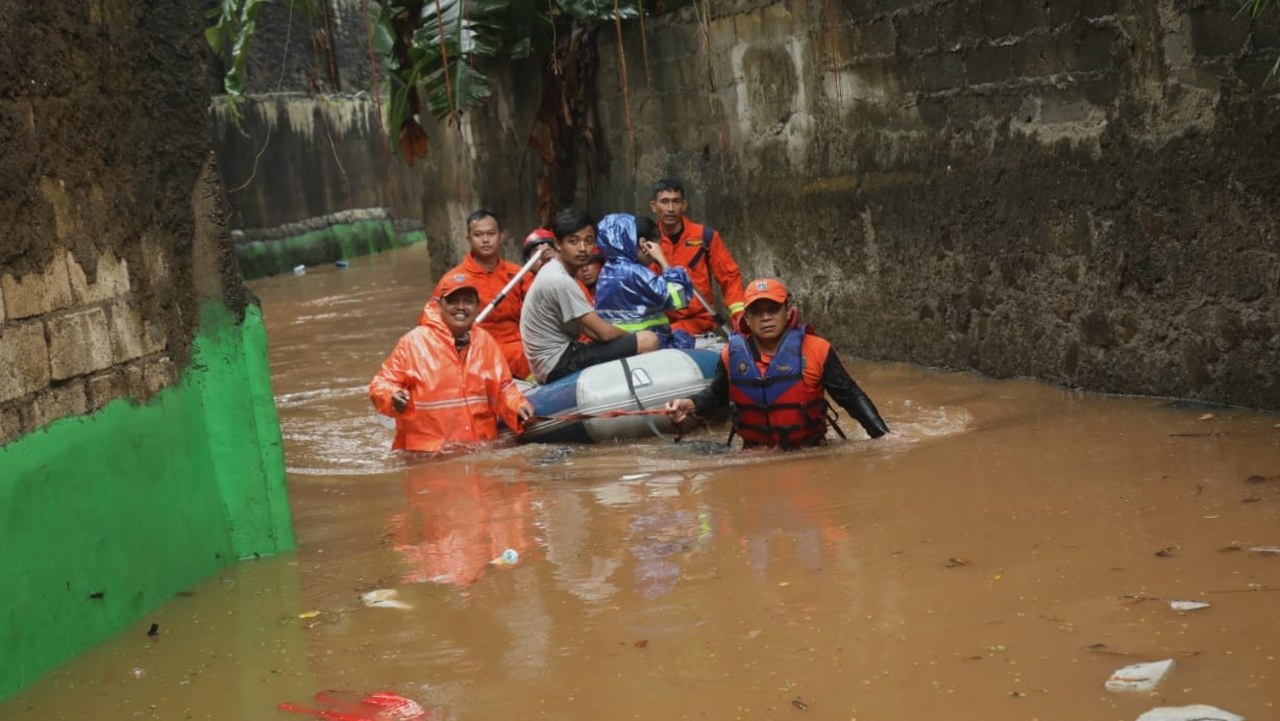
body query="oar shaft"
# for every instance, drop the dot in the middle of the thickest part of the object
(710, 308)
(507, 288)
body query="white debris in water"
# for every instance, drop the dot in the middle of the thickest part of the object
(1196, 712)
(635, 476)
(1140, 676)
(1265, 549)
(1187, 605)
(384, 598)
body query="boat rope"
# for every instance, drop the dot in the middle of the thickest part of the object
(631, 386)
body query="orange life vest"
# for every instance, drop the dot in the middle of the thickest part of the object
(773, 406)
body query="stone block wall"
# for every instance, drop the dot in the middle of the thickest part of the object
(99, 277)
(70, 345)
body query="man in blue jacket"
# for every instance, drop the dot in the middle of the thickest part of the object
(628, 294)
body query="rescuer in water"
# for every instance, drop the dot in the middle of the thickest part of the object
(775, 374)
(447, 383)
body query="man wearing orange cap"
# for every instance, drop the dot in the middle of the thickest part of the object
(484, 266)
(447, 383)
(701, 251)
(776, 374)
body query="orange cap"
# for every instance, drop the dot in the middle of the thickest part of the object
(764, 289)
(454, 282)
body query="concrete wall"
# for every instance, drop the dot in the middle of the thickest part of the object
(1079, 191)
(136, 413)
(308, 147)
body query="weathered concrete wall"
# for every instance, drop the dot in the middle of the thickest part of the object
(1080, 191)
(308, 146)
(139, 446)
(1076, 191)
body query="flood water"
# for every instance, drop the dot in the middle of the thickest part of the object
(1016, 546)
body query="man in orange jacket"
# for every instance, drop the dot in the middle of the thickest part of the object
(701, 251)
(447, 383)
(484, 266)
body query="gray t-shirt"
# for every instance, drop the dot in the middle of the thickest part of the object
(549, 317)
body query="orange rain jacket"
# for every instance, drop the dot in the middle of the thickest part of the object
(715, 260)
(504, 322)
(454, 398)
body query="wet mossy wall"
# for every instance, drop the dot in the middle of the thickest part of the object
(1078, 191)
(139, 445)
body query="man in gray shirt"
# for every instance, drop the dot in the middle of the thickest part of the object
(556, 312)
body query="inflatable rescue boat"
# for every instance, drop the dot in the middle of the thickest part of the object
(578, 407)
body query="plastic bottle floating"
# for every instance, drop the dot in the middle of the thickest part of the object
(350, 706)
(509, 557)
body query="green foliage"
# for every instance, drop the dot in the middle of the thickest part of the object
(234, 22)
(442, 47)
(1256, 8)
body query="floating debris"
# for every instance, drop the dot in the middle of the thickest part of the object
(634, 476)
(347, 706)
(1139, 677)
(554, 455)
(384, 598)
(1196, 712)
(1187, 605)
(299, 270)
(1265, 549)
(509, 557)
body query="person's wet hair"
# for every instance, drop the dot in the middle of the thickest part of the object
(668, 184)
(569, 221)
(481, 214)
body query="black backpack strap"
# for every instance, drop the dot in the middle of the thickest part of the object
(707, 234)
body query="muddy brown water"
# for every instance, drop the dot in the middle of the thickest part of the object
(1018, 545)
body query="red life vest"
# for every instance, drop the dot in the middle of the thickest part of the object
(775, 408)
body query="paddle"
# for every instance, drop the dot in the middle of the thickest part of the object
(721, 325)
(507, 288)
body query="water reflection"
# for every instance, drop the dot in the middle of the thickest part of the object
(460, 521)
(991, 568)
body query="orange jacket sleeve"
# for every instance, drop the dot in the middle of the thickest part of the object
(727, 274)
(506, 398)
(394, 375)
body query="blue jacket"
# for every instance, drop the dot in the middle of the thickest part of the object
(628, 294)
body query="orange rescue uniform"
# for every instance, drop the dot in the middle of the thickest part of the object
(455, 397)
(715, 260)
(504, 322)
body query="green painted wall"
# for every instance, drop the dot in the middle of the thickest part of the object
(261, 258)
(104, 517)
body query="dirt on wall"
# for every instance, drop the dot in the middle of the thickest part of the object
(105, 130)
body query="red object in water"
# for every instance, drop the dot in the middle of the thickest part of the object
(377, 706)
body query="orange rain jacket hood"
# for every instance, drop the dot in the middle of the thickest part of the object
(455, 399)
(504, 322)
